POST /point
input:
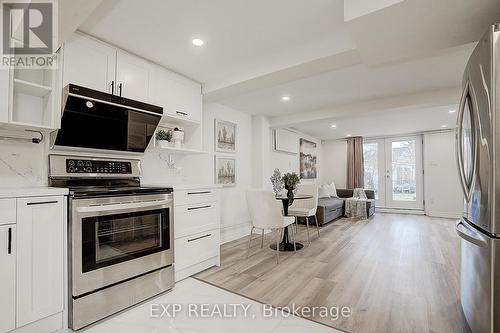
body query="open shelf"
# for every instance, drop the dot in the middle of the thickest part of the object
(30, 88)
(177, 120)
(181, 151)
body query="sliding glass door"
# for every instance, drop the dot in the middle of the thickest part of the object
(393, 169)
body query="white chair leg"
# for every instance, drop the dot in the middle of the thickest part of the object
(294, 235)
(249, 242)
(262, 239)
(307, 225)
(317, 225)
(296, 224)
(278, 246)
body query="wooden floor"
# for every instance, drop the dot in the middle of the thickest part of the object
(397, 273)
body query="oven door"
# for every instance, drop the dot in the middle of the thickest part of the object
(115, 239)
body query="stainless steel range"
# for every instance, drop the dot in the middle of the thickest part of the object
(120, 236)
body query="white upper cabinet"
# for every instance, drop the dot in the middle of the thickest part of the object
(40, 258)
(132, 77)
(7, 277)
(177, 95)
(89, 63)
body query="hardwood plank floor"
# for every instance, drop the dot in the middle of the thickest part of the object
(397, 273)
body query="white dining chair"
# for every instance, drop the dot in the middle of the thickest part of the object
(265, 213)
(306, 207)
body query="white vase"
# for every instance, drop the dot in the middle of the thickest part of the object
(163, 143)
(178, 137)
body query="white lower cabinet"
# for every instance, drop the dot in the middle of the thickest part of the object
(40, 263)
(7, 277)
(32, 251)
(196, 230)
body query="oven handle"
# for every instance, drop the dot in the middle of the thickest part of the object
(122, 206)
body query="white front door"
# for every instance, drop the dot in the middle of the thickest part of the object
(393, 169)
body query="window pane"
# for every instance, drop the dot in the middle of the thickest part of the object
(370, 156)
(404, 181)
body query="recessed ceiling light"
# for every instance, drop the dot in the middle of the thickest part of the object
(452, 111)
(197, 42)
(348, 135)
(334, 126)
(285, 98)
(444, 126)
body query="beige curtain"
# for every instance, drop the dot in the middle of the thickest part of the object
(355, 165)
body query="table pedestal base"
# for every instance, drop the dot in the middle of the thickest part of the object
(287, 247)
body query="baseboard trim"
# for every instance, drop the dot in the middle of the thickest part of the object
(399, 211)
(446, 215)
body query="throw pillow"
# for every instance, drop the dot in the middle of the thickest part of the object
(323, 191)
(333, 189)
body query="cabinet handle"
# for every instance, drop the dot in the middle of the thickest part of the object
(41, 203)
(9, 247)
(196, 238)
(113, 87)
(181, 113)
(202, 192)
(120, 87)
(200, 207)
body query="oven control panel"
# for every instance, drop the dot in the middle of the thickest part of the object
(98, 166)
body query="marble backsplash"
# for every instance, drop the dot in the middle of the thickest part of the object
(26, 165)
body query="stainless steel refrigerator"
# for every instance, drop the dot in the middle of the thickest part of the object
(478, 152)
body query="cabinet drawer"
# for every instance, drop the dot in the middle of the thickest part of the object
(188, 197)
(196, 248)
(7, 211)
(196, 218)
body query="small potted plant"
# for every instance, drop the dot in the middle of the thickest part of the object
(290, 179)
(164, 137)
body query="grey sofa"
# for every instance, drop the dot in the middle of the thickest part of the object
(330, 209)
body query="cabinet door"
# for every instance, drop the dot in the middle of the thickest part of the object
(177, 95)
(4, 95)
(89, 63)
(40, 225)
(132, 77)
(7, 277)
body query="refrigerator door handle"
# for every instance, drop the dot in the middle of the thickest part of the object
(472, 236)
(461, 171)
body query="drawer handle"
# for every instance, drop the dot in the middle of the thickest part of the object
(9, 247)
(181, 113)
(200, 207)
(41, 203)
(202, 192)
(204, 236)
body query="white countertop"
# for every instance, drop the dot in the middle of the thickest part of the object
(19, 192)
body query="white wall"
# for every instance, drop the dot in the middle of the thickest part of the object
(334, 165)
(235, 220)
(443, 194)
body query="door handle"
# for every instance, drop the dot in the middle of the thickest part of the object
(120, 88)
(458, 136)
(201, 192)
(41, 203)
(197, 238)
(181, 113)
(113, 87)
(199, 207)
(9, 246)
(472, 236)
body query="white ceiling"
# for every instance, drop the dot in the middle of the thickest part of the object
(356, 83)
(257, 51)
(389, 122)
(242, 38)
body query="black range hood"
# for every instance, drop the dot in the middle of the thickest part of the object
(95, 120)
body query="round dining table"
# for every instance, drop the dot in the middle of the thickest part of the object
(286, 245)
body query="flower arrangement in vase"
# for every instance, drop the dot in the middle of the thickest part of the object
(291, 180)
